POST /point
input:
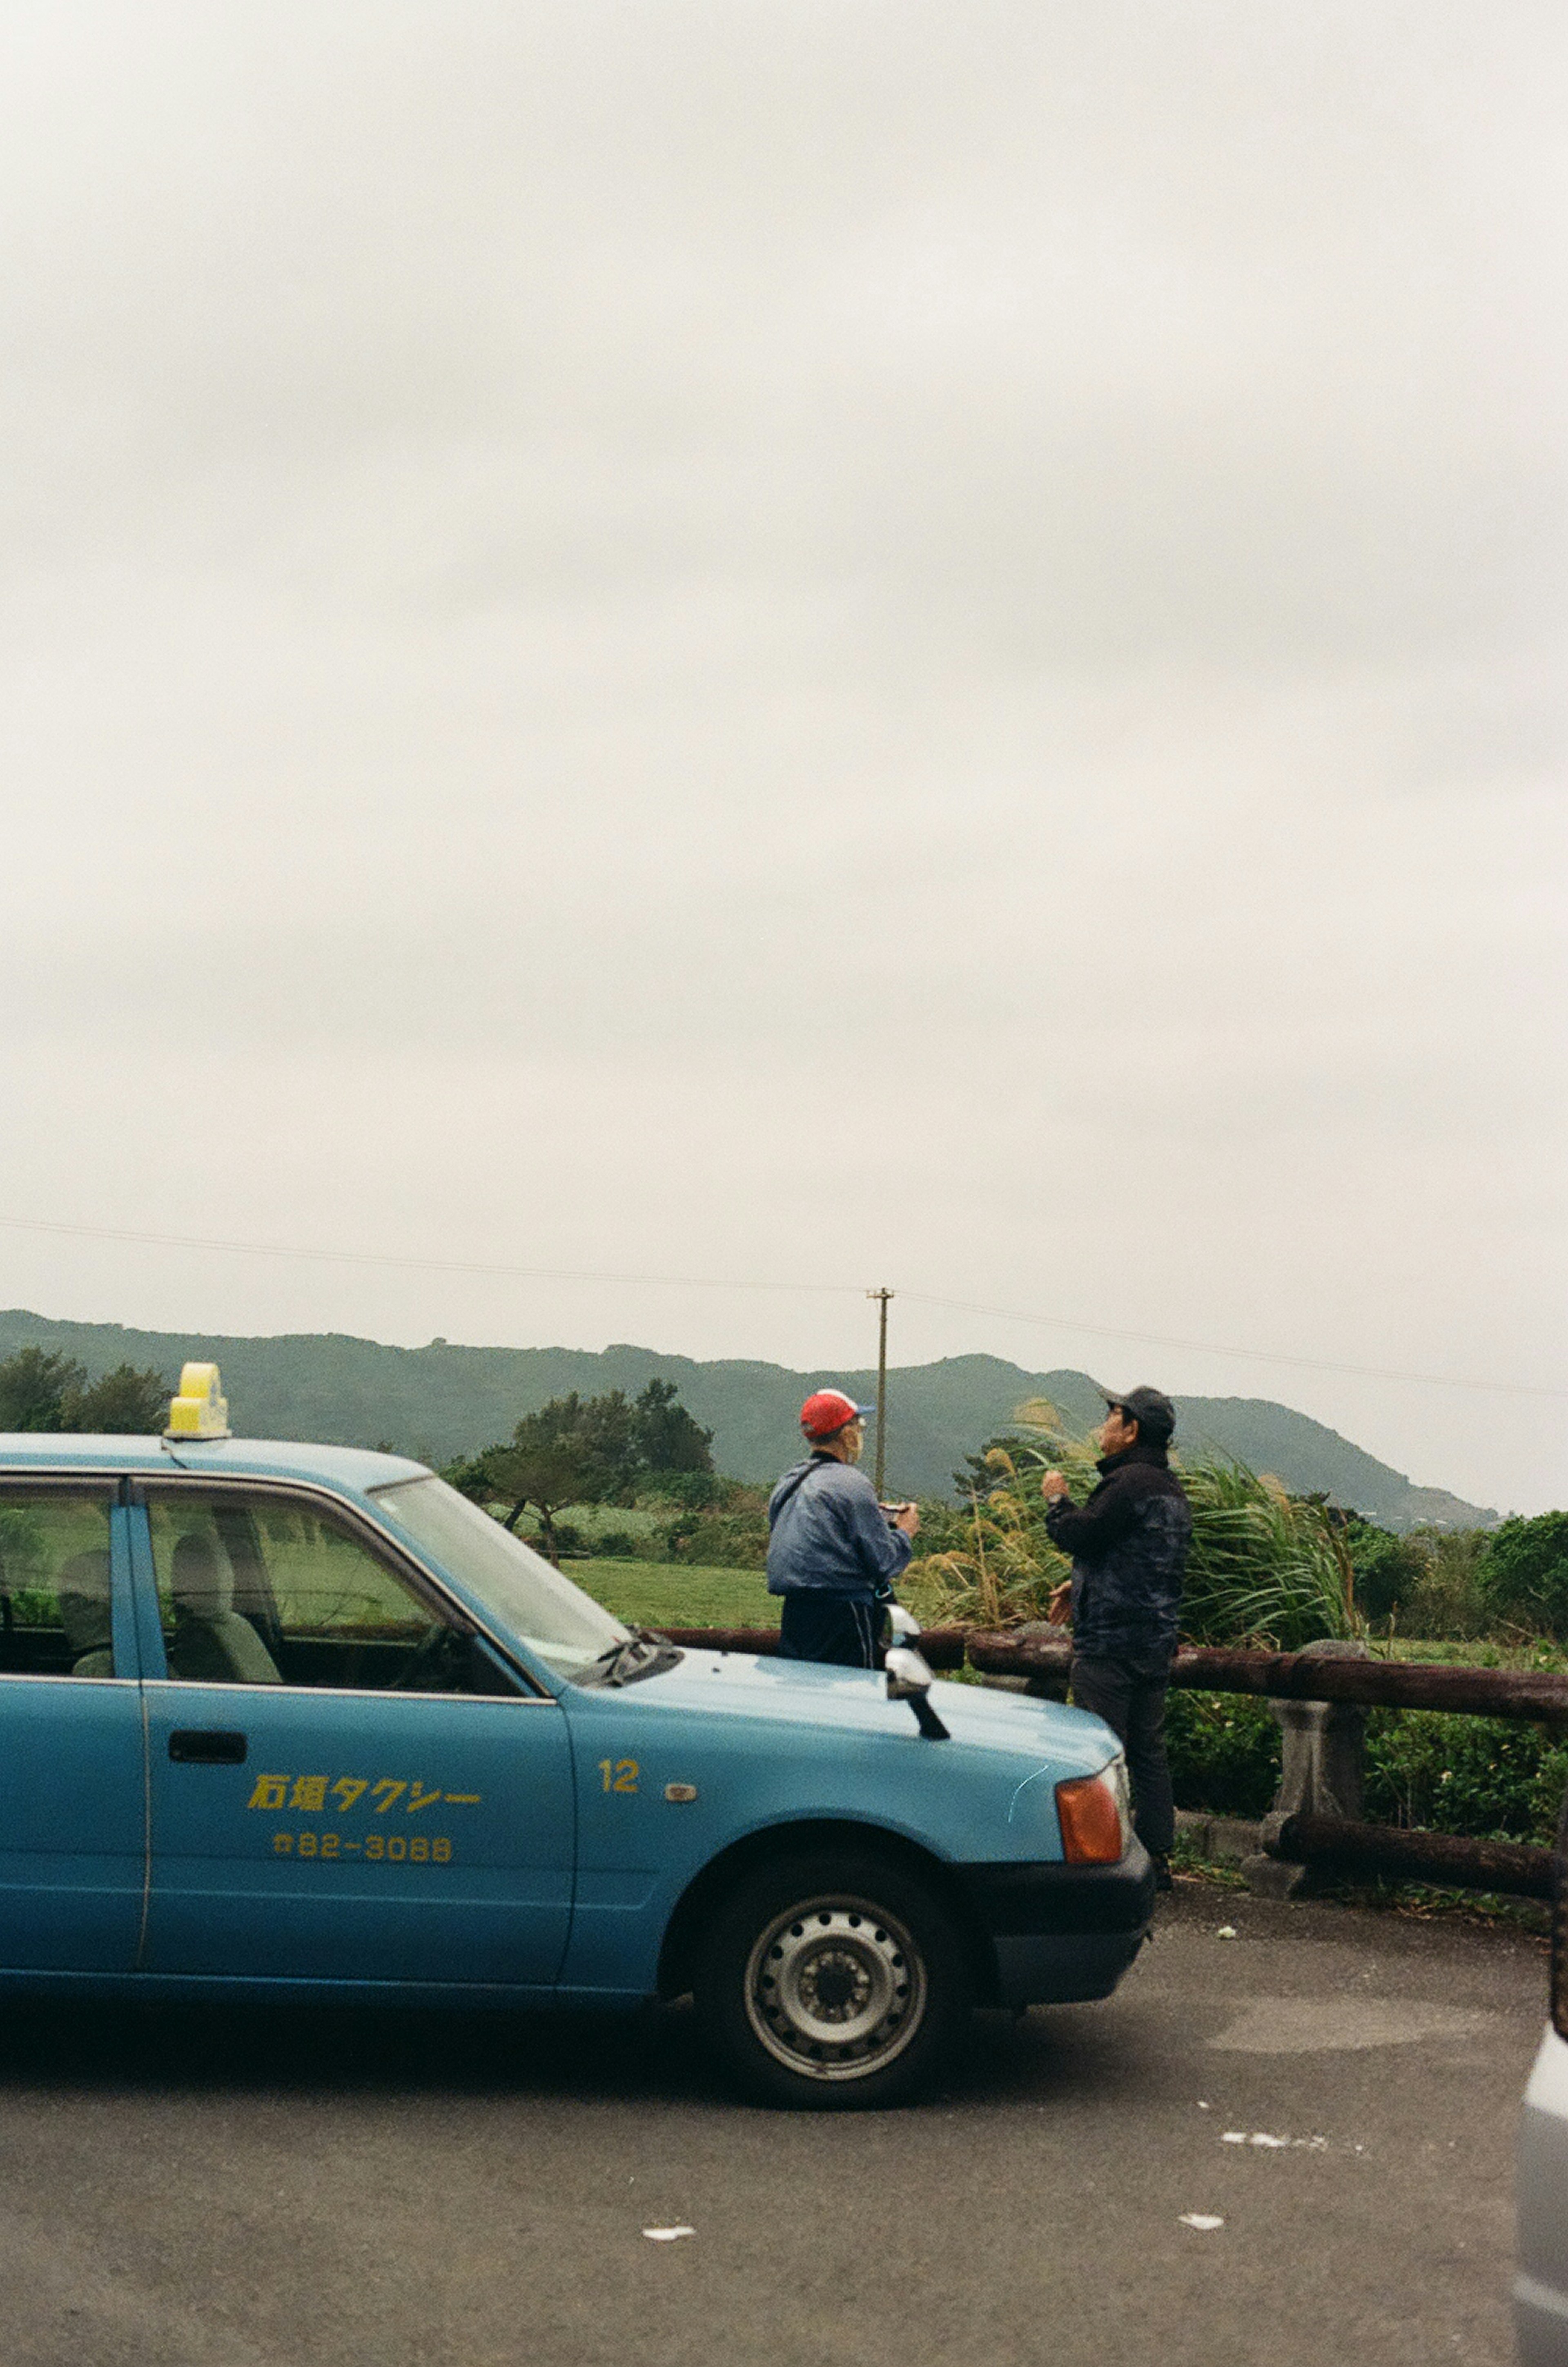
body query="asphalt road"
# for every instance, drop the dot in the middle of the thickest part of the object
(184, 2188)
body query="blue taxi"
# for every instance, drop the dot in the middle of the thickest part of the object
(285, 1718)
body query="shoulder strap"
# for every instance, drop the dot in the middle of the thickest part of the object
(796, 1484)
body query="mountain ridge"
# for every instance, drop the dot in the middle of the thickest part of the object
(446, 1399)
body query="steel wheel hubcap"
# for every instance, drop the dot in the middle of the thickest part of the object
(835, 1988)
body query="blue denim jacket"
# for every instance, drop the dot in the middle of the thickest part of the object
(828, 1531)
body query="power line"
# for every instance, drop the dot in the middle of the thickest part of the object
(1254, 1355)
(416, 1264)
(1069, 1323)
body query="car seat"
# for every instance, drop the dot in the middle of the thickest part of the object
(212, 1643)
(83, 1590)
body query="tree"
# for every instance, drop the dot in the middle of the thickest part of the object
(132, 1402)
(552, 1459)
(1524, 1568)
(606, 1427)
(1388, 1568)
(578, 1450)
(44, 1392)
(665, 1437)
(35, 1387)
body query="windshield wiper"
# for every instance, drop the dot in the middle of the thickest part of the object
(643, 1653)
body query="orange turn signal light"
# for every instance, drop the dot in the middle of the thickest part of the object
(1090, 1821)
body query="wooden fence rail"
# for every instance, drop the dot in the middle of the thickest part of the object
(1342, 1843)
(1538, 1694)
(1401, 1855)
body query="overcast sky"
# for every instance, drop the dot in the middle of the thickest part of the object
(798, 641)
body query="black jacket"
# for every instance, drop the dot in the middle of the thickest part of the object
(1129, 1549)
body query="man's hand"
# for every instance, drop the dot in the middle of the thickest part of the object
(1054, 1487)
(907, 1518)
(1060, 1605)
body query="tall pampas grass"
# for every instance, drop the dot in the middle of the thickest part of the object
(1265, 1568)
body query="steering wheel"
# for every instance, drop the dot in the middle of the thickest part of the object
(423, 1657)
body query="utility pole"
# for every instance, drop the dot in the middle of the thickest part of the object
(882, 1297)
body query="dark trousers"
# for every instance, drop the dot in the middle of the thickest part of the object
(1132, 1702)
(817, 1625)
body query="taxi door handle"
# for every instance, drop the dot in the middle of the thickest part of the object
(207, 1746)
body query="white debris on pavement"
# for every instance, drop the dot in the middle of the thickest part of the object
(666, 2234)
(1278, 2145)
(1227, 1931)
(1204, 2221)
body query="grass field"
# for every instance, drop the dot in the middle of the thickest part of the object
(668, 1594)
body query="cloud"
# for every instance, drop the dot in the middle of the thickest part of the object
(732, 611)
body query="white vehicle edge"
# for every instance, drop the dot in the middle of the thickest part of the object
(1540, 2286)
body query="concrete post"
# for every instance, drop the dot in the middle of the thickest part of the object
(1320, 1774)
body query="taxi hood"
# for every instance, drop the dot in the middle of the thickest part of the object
(808, 1693)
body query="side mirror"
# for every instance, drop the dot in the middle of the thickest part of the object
(908, 1672)
(910, 1679)
(903, 1623)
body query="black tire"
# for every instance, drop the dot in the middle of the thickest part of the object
(832, 1981)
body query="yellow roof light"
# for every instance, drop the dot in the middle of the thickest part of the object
(201, 1411)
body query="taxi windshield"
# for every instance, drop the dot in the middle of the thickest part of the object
(527, 1594)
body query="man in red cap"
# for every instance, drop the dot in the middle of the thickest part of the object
(833, 1553)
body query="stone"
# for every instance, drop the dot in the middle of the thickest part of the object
(1320, 1773)
(1275, 1877)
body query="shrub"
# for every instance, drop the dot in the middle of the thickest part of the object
(564, 1537)
(719, 1541)
(1524, 1572)
(1264, 1566)
(730, 1533)
(1450, 1600)
(1490, 1777)
(1386, 1569)
(1224, 1753)
(695, 1490)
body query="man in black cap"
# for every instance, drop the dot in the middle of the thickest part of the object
(1128, 1546)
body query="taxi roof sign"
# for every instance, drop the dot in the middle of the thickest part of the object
(201, 1411)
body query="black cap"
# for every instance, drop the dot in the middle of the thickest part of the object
(1150, 1409)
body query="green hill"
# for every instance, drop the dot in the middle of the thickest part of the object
(442, 1400)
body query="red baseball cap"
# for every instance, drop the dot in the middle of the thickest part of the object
(827, 1411)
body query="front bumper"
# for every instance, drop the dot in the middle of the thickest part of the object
(1063, 1935)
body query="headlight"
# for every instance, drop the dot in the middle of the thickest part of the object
(1092, 1812)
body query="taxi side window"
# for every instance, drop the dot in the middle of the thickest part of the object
(54, 1581)
(261, 1589)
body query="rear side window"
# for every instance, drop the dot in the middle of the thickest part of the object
(261, 1589)
(54, 1581)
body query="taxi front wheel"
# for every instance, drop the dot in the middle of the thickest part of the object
(831, 1981)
